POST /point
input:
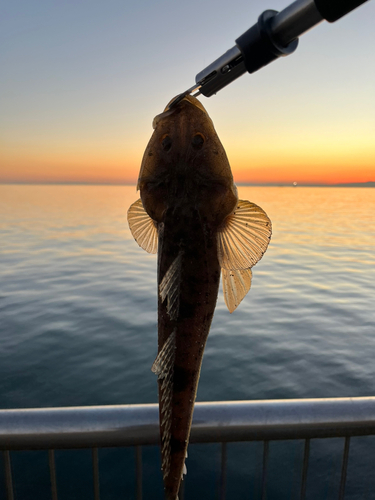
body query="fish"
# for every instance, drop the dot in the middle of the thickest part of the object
(190, 215)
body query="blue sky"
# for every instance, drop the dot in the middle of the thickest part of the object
(82, 81)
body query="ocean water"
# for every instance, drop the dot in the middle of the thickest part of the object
(78, 327)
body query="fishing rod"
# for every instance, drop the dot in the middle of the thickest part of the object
(273, 36)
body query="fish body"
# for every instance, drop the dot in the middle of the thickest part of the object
(190, 213)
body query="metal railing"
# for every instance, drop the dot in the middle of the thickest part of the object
(137, 425)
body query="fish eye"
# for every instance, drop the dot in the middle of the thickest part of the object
(166, 142)
(198, 141)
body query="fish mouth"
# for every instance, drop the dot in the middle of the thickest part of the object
(187, 97)
(170, 110)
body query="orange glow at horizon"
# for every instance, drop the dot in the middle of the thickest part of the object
(318, 168)
(83, 167)
(259, 157)
(264, 167)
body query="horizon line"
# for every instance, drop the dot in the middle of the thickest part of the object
(259, 184)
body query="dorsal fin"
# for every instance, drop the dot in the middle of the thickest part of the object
(242, 241)
(236, 284)
(143, 228)
(169, 287)
(163, 367)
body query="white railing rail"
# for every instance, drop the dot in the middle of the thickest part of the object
(137, 425)
(132, 425)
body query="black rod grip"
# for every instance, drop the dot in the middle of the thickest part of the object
(332, 10)
(258, 46)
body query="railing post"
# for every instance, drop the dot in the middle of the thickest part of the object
(344, 468)
(305, 467)
(223, 471)
(138, 469)
(95, 473)
(8, 475)
(52, 473)
(181, 493)
(265, 467)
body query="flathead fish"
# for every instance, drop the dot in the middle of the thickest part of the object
(189, 213)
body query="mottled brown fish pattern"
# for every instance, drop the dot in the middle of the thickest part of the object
(189, 213)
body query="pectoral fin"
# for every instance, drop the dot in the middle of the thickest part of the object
(143, 228)
(236, 284)
(242, 241)
(243, 237)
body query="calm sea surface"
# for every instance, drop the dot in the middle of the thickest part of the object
(78, 327)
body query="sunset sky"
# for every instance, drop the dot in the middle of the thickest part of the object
(82, 80)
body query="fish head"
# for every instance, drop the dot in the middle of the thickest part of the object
(185, 166)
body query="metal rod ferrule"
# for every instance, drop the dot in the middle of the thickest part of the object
(275, 34)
